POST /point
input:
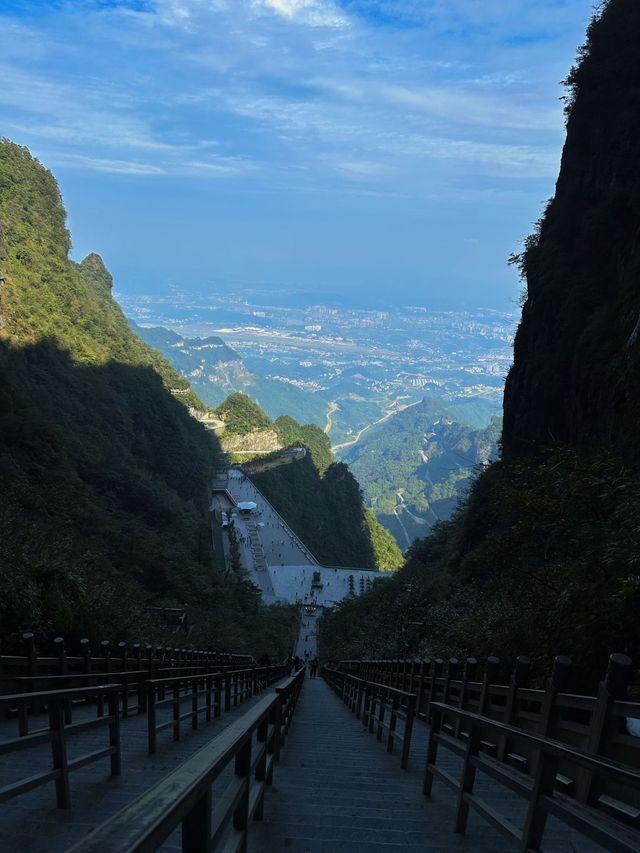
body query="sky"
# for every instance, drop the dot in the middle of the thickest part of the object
(393, 151)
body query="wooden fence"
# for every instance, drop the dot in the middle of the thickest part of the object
(379, 707)
(575, 756)
(107, 659)
(213, 688)
(57, 733)
(184, 798)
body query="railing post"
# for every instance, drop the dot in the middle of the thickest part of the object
(194, 702)
(61, 654)
(31, 653)
(151, 717)
(452, 674)
(408, 731)
(114, 734)
(614, 686)
(557, 682)
(227, 691)
(393, 719)
(490, 676)
(106, 654)
(241, 813)
(543, 785)
(122, 648)
(424, 669)
(208, 687)
(196, 827)
(432, 749)
(277, 727)
(381, 714)
(59, 754)
(176, 710)
(468, 778)
(436, 673)
(85, 651)
(359, 699)
(261, 768)
(518, 679)
(469, 674)
(217, 696)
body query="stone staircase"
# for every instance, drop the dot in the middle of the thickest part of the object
(337, 789)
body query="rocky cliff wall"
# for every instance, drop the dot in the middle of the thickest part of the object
(575, 377)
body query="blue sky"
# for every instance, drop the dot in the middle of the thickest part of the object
(392, 150)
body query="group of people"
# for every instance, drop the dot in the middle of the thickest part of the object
(296, 663)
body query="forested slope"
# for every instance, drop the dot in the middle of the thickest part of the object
(319, 498)
(414, 467)
(103, 507)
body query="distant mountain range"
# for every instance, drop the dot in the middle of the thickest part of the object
(414, 467)
(215, 370)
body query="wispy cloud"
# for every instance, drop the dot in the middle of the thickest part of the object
(316, 13)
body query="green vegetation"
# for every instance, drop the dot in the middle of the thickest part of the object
(242, 416)
(426, 457)
(104, 505)
(310, 436)
(541, 561)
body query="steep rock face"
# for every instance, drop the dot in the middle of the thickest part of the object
(575, 377)
(260, 441)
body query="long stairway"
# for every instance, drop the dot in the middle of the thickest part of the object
(336, 789)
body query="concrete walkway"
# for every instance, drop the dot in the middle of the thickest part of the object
(337, 789)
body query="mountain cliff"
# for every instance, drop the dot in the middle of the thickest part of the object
(542, 558)
(105, 475)
(576, 372)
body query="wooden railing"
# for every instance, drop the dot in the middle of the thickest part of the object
(379, 707)
(550, 759)
(603, 727)
(110, 659)
(57, 734)
(595, 724)
(210, 687)
(184, 798)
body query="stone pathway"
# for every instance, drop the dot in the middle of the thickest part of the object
(337, 789)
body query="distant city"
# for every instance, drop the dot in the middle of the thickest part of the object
(350, 367)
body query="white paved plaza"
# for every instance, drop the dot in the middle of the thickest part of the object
(283, 567)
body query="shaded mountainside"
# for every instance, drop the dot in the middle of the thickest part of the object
(414, 467)
(105, 475)
(319, 498)
(576, 374)
(543, 557)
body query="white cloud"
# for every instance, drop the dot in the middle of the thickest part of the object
(315, 13)
(101, 164)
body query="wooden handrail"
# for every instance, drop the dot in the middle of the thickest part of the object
(57, 733)
(549, 756)
(184, 797)
(607, 767)
(370, 701)
(237, 686)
